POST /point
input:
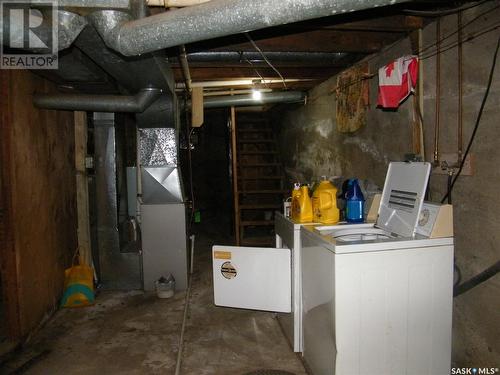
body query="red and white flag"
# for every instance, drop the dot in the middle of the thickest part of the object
(396, 81)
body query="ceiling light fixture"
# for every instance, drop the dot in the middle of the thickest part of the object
(256, 95)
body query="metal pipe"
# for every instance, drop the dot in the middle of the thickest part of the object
(438, 91)
(238, 82)
(98, 103)
(214, 19)
(247, 100)
(185, 68)
(233, 92)
(230, 56)
(460, 89)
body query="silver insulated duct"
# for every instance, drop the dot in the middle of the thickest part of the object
(248, 100)
(212, 20)
(98, 103)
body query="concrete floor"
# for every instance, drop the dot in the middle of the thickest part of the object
(137, 333)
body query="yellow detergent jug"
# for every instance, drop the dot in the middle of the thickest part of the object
(324, 203)
(301, 205)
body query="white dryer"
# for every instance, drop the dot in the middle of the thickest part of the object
(377, 299)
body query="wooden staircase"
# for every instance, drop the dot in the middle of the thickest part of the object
(258, 181)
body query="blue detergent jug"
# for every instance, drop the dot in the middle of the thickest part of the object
(355, 202)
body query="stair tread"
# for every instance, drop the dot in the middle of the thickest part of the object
(258, 241)
(259, 178)
(257, 206)
(250, 120)
(258, 164)
(261, 130)
(269, 191)
(258, 152)
(256, 222)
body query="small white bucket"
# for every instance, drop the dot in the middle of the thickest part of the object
(165, 289)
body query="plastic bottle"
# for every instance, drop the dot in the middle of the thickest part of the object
(301, 205)
(324, 203)
(355, 202)
(296, 189)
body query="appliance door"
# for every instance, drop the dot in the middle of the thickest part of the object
(257, 278)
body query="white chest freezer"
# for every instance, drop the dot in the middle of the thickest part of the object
(269, 278)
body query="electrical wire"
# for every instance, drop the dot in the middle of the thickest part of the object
(183, 326)
(454, 44)
(439, 13)
(474, 281)
(443, 49)
(263, 81)
(478, 121)
(433, 45)
(265, 58)
(472, 20)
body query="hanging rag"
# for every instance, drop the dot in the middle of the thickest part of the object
(396, 81)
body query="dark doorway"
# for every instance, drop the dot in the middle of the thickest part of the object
(211, 169)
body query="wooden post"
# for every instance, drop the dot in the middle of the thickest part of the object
(197, 107)
(234, 155)
(9, 258)
(82, 195)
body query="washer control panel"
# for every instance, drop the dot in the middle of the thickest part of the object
(435, 220)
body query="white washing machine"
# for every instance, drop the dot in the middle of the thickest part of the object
(377, 299)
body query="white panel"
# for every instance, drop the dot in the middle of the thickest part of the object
(318, 301)
(393, 312)
(288, 235)
(164, 246)
(402, 197)
(252, 278)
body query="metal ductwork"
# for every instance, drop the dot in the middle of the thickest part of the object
(98, 103)
(70, 26)
(248, 100)
(213, 19)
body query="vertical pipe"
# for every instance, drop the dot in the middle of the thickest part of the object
(191, 266)
(235, 177)
(185, 68)
(438, 91)
(460, 89)
(421, 95)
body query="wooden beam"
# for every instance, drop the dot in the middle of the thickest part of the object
(324, 40)
(399, 24)
(82, 194)
(197, 107)
(8, 255)
(392, 24)
(216, 73)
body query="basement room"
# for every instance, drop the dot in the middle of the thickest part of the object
(249, 187)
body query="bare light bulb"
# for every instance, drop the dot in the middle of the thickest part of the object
(256, 95)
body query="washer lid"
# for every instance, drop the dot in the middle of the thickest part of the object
(402, 198)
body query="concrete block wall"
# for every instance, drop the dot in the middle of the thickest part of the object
(311, 146)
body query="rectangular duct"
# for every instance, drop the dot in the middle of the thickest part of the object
(163, 213)
(117, 270)
(160, 178)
